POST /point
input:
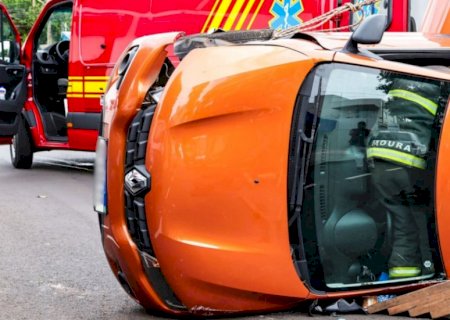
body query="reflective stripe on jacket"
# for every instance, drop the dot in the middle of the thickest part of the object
(398, 147)
(425, 103)
(397, 156)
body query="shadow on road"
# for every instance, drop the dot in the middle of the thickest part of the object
(74, 164)
(60, 161)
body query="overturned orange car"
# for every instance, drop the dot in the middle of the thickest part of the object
(267, 169)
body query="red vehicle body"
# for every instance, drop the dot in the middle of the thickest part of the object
(62, 101)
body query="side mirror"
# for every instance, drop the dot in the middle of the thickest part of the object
(369, 32)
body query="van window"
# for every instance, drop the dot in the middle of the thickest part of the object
(368, 210)
(7, 40)
(57, 27)
(417, 9)
(380, 7)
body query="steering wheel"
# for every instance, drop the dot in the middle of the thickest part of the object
(62, 50)
(45, 57)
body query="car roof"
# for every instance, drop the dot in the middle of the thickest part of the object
(413, 41)
(417, 53)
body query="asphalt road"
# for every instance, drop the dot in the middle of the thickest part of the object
(52, 264)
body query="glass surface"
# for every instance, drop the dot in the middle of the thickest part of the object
(7, 41)
(57, 27)
(417, 9)
(377, 8)
(368, 205)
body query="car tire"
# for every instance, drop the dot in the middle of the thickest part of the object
(21, 148)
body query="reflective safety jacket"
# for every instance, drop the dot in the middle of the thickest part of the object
(406, 141)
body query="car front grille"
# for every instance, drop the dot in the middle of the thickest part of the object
(137, 139)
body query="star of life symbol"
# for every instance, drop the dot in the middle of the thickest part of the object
(285, 14)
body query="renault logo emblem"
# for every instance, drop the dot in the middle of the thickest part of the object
(137, 180)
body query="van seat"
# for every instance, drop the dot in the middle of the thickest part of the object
(62, 86)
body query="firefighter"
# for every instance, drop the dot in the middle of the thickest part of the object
(398, 155)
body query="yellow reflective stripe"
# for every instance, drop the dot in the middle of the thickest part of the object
(399, 272)
(220, 14)
(427, 104)
(80, 95)
(255, 14)
(75, 86)
(97, 96)
(106, 78)
(244, 14)
(397, 156)
(94, 86)
(211, 13)
(233, 15)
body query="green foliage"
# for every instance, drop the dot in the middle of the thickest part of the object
(23, 13)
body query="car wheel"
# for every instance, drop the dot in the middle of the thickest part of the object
(21, 148)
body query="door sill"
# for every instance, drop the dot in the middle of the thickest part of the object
(57, 139)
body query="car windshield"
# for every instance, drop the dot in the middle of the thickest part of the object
(368, 211)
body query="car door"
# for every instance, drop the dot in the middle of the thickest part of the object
(12, 77)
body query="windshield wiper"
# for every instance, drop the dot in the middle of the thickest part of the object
(303, 151)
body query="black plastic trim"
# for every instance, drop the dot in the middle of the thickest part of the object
(84, 120)
(30, 117)
(158, 280)
(412, 54)
(186, 44)
(295, 174)
(135, 213)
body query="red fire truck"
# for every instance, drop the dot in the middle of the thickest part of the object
(50, 90)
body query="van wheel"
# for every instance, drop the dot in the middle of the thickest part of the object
(21, 149)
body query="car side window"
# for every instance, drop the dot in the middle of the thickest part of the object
(417, 9)
(7, 40)
(371, 175)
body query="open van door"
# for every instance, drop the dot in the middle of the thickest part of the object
(12, 78)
